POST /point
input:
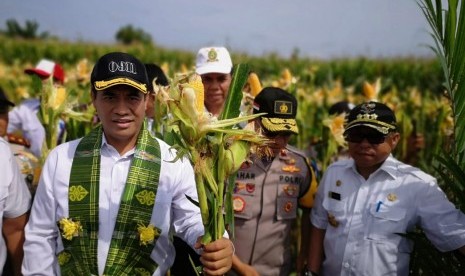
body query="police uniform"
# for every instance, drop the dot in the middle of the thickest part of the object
(266, 197)
(268, 190)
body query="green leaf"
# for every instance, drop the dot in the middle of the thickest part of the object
(234, 99)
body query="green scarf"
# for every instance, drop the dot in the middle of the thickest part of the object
(133, 238)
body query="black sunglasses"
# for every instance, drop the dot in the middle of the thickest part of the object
(372, 138)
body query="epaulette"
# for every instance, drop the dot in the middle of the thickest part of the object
(296, 151)
(18, 140)
(416, 172)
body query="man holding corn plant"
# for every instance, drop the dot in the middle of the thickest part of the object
(268, 191)
(105, 203)
(366, 205)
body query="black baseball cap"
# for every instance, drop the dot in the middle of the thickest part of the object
(4, 100)
(154, 72)
(340, 107)
(372, 114)
(281, 109)
(119, 69)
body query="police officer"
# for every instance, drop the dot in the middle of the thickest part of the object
(268, 191)
(27, 162)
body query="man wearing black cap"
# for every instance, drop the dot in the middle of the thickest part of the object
(106, 203)
(365, 204)
(15, 200)
(268, 190)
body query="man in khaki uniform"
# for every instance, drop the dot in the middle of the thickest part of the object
(268, 191)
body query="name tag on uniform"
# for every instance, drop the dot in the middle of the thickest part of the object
(334, 195)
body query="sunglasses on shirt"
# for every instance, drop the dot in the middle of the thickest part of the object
(374, 138)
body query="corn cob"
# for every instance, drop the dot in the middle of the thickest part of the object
(195, 81)
(286, 75)
(254, 84)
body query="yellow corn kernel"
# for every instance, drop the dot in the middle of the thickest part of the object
(166, 68)
(183, 69)
(59, 98)
(286, 76)
(254, 83)
(369, 91)
(83, 69)
(195, 81)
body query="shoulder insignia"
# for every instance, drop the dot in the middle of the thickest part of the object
(404, 168)
(18, 140)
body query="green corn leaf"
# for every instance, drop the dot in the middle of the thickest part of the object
(234, 99)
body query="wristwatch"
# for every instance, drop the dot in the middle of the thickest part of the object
(307, 272)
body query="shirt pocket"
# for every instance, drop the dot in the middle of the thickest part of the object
(244, 199)
(386, 223)
(336, 212)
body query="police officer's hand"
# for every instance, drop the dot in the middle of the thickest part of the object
(216, 256)
(243, 269)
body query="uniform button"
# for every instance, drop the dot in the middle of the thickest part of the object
(346, 265)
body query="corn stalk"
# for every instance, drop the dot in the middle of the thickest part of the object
(216, 147)
(57, 104)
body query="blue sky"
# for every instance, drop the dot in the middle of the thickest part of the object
(318, 28)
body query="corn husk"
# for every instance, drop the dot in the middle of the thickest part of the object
(216, 147)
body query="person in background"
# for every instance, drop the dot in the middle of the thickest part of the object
(18, 145)
(23, 118)
(365, 205)
(268, 191)
(157, 76)
(214, 65)
(106, 203)
(15, 201)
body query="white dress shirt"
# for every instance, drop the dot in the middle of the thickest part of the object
(15, 198)
(172, 209)
(363, 218)
(23, 117)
